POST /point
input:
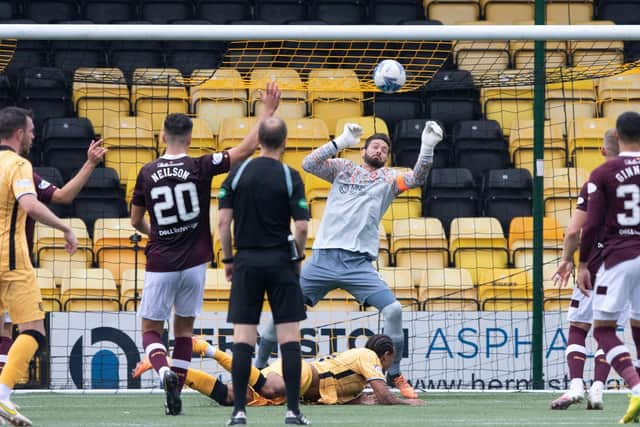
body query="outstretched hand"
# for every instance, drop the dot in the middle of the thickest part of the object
(270, 97)
(432, 134)
(349, 137)
(96, 152)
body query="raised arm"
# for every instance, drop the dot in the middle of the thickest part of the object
(432, 134)
(270, 99)
(320, 163)
(66, 194)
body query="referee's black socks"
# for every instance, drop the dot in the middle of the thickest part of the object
(240, 368)
(291, 367)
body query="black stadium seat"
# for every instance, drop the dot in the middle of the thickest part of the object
(29, 53)
(68, 55)
(223, 11)
(451, 96)
(46, 92)
(106, 11)
(101, 197)
(65, 142)
(340, 12)
(163, 11)
(406, 145)
(50, 11)
(507, 194)
(277, 12)
(187, 56)
(392, 12)
(479, 145)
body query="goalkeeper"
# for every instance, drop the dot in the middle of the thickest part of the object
(336, 379)
(348, 241)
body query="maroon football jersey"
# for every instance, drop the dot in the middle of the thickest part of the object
(176, 191)
(614, 209)
(44, 190)
(595, 257)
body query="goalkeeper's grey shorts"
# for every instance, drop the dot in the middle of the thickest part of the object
(353, 272)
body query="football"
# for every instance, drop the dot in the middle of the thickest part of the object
(389, 76)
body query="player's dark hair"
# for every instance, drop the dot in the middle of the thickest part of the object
(380, 344)
(12, 119)
(382, 136)
(177, 125)
(272, 133)
(628, 127)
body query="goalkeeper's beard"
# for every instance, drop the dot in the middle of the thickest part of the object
(373, 162)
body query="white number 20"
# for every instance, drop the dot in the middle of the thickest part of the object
(179, 191)
(631, 205)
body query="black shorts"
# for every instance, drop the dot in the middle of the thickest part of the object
(253, 275)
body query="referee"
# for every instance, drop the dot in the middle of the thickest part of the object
(261, 196)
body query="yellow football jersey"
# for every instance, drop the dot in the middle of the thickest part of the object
(344, 375)
(16, 180)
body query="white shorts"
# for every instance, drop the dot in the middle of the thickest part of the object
(581, 309)
(615, 289)
(182, 290)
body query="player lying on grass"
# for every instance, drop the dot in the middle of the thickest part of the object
(336, 379)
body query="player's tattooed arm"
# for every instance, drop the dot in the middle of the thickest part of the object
(416, 177)
(383, 395)
(320, 163)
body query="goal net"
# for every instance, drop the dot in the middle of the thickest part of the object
(458, 252)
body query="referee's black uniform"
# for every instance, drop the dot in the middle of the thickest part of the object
(264, 200)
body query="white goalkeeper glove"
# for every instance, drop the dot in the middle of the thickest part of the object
(349, 137)
(431, 135)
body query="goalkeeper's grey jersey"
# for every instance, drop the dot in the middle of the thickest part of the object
(357, 201)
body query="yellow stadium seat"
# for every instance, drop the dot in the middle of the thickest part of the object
(521, 241)
(507, 105)
(505, 289)
(202, 140)
(480, 57)
(233, 130)
(129, 288)
(113, 247)
(521, 145)
(293, 98)
(334, 94)
(295, 156)
(617, 94)
(221, 94)
(522, 51)
(477, 244)
(507, 11)
(337, 300)
(130, 143)
(584, 141)
(569, 11)
(100, 95)
(48, 289)
(556, 298)
(91, 289)
(448, 289)
(306, 133)
(561, 189)
(317, 190)
(419, 243)
(566, 101)
(156, 92)
(50, 253)
(596, 53)
(402, 285)
(217, 291)
(384, 250)
(451, 12)
(130, 182)
(401, 207)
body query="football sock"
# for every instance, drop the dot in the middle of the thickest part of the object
(617, 354)
(291, 367)
(19, 356)
(207, 385)
(602, 368)
(155, 350)
(240, 368)
(181, 358)
(392, 314)
(5, 345)
(268, 344)
(576, 353)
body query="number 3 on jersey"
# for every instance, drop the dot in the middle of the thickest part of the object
(166, 199)
(631, 205)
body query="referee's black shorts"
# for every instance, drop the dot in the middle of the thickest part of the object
(256, 272)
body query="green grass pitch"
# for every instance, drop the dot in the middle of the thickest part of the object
(442, 409)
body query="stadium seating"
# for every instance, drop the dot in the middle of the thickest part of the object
(131, 285)
(479, 146)
(589, 53)
(419, 243)
(90, 289)
(394, 107)
(406, 145)
(507, 194)
(406, 205)
(393, 12)
(45, 91)
(622, 12)
(113, 248)
(278, 12)
(32, 53)
(521, 241)
(507, 104)
(156, 93)
(561, 189)
(292, 99)
(556, 296)
(584, 141)
(451, 12)
(65, 142)
(188, 56)
(402, 285)
(221, 95)
(477, 244)
(448, 289)
(480, 57)
(449, 194)
(521, 144)
(507, 11)
(100, 95)
(303, 135)
(50, 11)
(163, 11)
(451, 97)
(8, 8)
(101, 197)
(617, 94)
(334, 94)
(106, 11)
(233, 130)
(50, 253)
(340, 12)
(130, 143)
(225, 11)
(317, 191)
(567, 101)
(569, 11)
(505, 289)
(129, 56)
(216, 291)
(522, 52)
(202, 140)
(6, 92)
(71, 55)
(48, 290)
